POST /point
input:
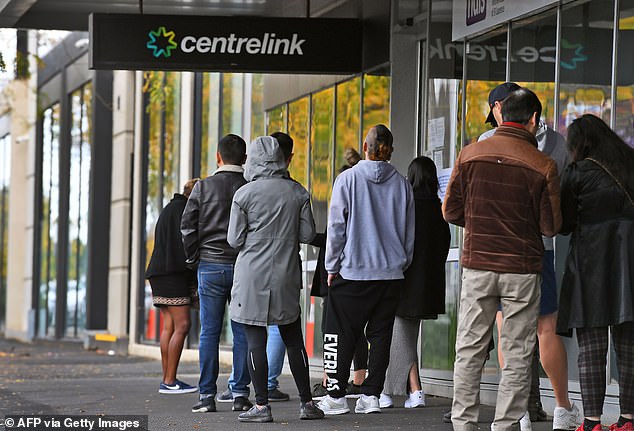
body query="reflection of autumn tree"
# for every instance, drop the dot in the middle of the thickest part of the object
(298, 130)
(376, 101)
(257, 105)
(321, 139)
(348, 120)
(276, 119)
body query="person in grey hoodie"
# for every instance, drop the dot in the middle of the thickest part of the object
(370, 244)
(270, 216)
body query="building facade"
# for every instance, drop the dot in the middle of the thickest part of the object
(99, 153)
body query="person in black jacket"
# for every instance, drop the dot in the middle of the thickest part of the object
(204, 228)
(170, 281)
(424, 290)
(597, 291)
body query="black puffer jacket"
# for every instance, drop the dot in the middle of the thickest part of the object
(206, 217)
(598, 283)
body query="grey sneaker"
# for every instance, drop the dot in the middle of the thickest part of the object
(367, 404)
(256, 414)
(309, 410)
(225, 397)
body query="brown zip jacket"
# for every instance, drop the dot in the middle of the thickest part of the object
(505, 193)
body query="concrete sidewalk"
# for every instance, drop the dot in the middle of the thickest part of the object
(62, 378)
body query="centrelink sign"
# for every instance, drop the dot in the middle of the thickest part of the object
(225, 44)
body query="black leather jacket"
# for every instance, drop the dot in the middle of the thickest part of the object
(206, 216)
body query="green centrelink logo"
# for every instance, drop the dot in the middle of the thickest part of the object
(161, 42)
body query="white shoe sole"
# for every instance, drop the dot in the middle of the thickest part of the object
(414, 405)
(178, 391)
(334, 412)
(368, 410)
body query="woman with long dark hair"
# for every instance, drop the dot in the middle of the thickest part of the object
(424, 288)
(597, 201)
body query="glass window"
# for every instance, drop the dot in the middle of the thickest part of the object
(348, 119)
(163, 165)
(210, 123)
(586, 61)
(49, 221)
(5, 177)
(81, 112)
(624, 124)
(276, 119)
(486, 68)
(298, 130)
(376, 100)
(257, 105)
(533, 44)
(232, 103)
(321, 150)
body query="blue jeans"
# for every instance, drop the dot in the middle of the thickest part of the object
(214, 289)
(275, 351)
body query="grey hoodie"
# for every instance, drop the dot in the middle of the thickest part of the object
(270, 216)
(371, 223)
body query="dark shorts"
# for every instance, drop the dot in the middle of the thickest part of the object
(548, 301)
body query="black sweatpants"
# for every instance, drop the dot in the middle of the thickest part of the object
(360, 358)
(297, 358)
(353, 306)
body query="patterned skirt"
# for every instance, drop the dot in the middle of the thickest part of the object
(170, 289)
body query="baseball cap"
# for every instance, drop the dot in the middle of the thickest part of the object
(498, 94)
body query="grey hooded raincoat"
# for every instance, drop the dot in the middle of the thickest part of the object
(270, 216)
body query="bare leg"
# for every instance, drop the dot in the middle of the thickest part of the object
(554, 358)
(359, 377)
(166, 335)
(414, 379)
(498, 321)
(180, 316)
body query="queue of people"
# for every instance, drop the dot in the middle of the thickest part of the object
(384, 255)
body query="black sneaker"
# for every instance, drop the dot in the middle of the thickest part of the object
(225, 397)
(537, 413)
(277, 395)
(256, 414)
(446, 417)
(319, 391)
(353, 391)
(205, 405)
(241, 404)
(309, 410)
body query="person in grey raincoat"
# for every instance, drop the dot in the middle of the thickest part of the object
(270, 216)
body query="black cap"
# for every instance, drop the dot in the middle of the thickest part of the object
(498, 94)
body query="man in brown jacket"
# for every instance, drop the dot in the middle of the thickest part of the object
(505, 193)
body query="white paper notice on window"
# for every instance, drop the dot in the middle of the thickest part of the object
(436, 132)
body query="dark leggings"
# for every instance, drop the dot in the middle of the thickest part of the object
(593, 348)
(297, 358)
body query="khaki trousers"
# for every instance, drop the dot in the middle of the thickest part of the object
(481, 293)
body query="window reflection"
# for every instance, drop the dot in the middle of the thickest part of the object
(348, 119)
(81, 111)
(163, 171)
(210, 122)
(586, 61)
(298, 130)
(624, 124)
(276, 120)
(257, 105)
(49, 221)
(232, 103)
(376, 100)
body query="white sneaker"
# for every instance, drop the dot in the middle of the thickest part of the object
(564, 419)
(385, 401)
(415, 399)
(525, 423)
(367, 404)
(333, 406)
